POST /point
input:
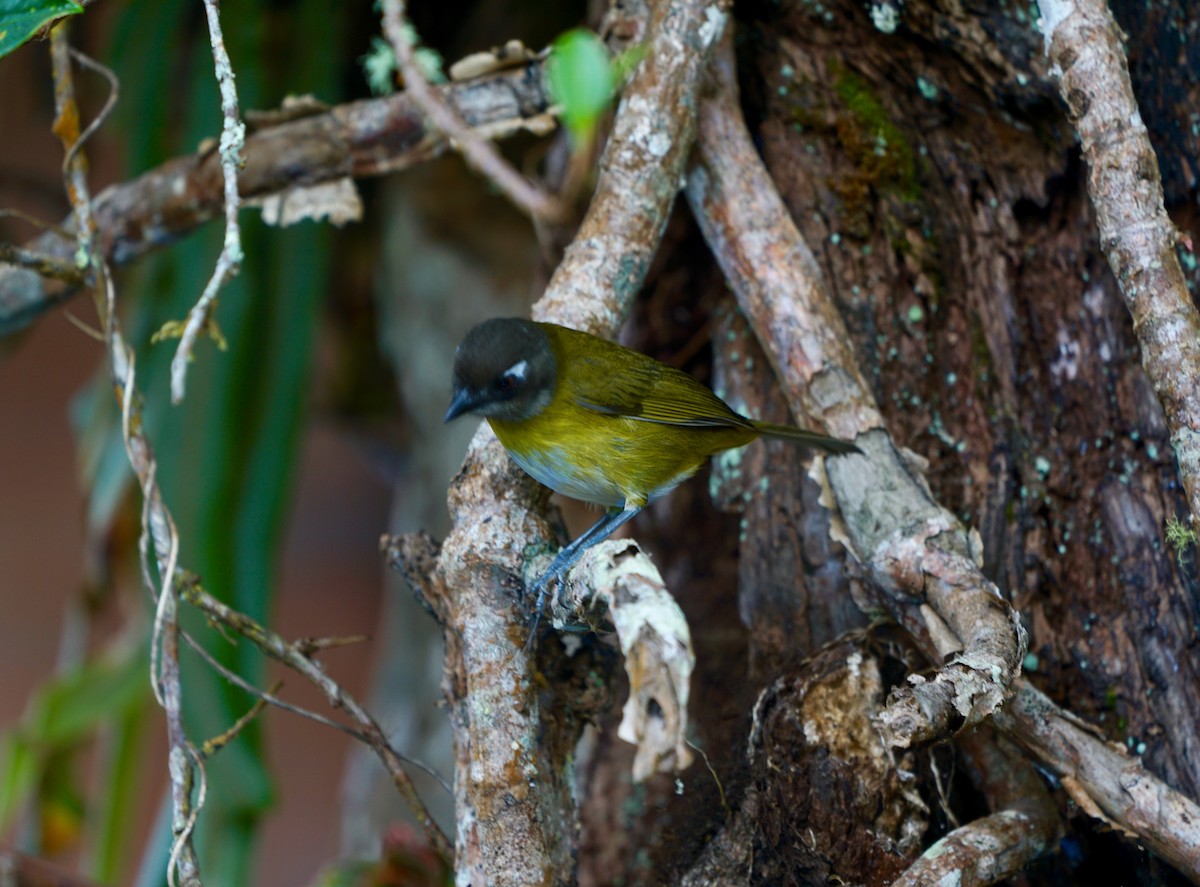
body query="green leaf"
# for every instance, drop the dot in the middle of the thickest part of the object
(67, 708)
(21, 19)
(63, 711)
(581, 81)
(18, 775)
(379, 66)
(114, 810)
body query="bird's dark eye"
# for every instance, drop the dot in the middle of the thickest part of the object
(506, 384)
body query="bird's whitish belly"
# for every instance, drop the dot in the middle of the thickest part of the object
(552, 469)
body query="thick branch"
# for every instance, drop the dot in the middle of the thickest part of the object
(1120, 789)
(515, 815)
(360, 139)
(1085, 45)
(910, 544)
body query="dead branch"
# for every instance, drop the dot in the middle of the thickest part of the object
(360, 139)
(1023, 826)
(1084, 44)
(1120, 789)
(909, 543)
(514, 815)
(299, 661)
(656, 645)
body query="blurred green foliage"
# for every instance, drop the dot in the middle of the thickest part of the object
(226, 456)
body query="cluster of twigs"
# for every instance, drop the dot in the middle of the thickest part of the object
(160, 538)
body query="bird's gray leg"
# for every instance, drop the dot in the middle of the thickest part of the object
(569, 556)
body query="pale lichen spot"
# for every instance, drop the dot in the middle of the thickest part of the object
(885, 17)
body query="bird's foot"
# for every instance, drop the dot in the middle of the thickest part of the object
(554, 575)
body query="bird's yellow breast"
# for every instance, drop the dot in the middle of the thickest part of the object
(609, 460)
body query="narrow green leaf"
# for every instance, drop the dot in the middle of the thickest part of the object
(115, 808)
(581, 80)
(65, 709)
(18, 775)
(21, 19)
(60, 713)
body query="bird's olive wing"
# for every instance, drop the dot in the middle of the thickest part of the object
(654, 392)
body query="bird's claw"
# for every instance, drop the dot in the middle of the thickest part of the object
(540, 589)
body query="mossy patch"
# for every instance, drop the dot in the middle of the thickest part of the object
(883, 158)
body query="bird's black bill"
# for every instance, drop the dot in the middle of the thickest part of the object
(462, 402)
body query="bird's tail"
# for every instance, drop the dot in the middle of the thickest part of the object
(807, 438)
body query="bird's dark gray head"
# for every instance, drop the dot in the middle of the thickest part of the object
(503, 369)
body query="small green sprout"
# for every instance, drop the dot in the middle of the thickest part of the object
(1180, 536)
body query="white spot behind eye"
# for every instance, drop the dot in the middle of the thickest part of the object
(518, 370)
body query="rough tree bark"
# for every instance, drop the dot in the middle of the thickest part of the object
(929, 164)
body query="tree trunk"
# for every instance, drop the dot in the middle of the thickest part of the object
(932, 170)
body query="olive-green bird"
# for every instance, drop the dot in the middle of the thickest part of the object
(596, 421)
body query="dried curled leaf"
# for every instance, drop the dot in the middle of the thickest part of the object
(657, 646)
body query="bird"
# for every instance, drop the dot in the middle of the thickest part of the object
(596, 421)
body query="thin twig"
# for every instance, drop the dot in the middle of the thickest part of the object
(280, 650)
(233, 142)
(66, 127)
(157, 523)
(46, 266)
(57, 230)
(479, 153)
(211, 746)
(270, 696)
(308, 646)
(110, 104)
(55, 267)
